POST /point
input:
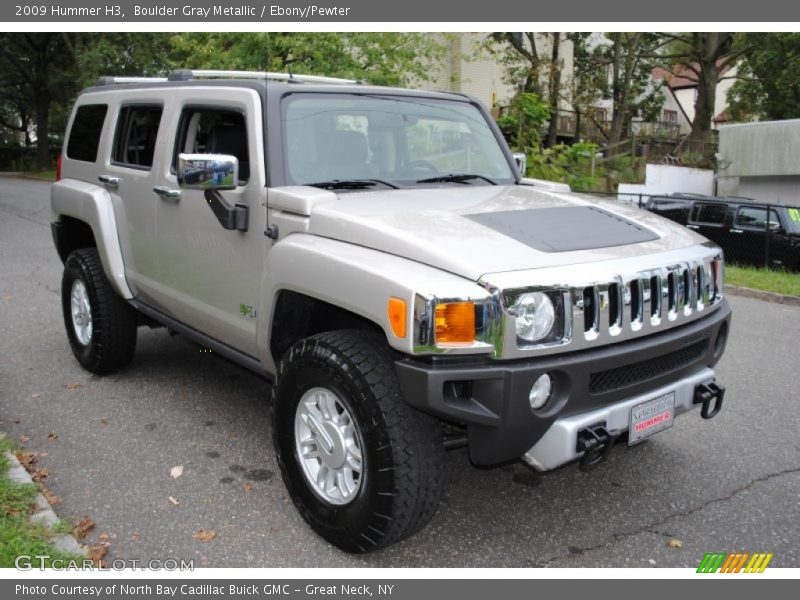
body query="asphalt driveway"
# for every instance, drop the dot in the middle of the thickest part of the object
(730, 484)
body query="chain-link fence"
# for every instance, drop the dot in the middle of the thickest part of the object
(750, 233)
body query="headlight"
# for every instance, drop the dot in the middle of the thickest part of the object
(534, 315)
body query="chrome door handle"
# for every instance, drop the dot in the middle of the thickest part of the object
(109, 180)
(693, 226)
(736, 231)
(167, 193)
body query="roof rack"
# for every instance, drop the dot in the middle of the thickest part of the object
(189, 74)
(115, 80)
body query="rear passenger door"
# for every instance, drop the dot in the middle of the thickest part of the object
(209, 277)
(136, 144)
(750, 226)
(708, 219)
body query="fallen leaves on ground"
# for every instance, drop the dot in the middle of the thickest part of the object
(74, 386)
(97, 553)
(27, 459)
(205, 535)
(37, 395)
(675, 543)
(38, 475)
(173, 501)
(23, 439)
(103, 421)
(135, 537)
(83, 527)
(52, 437)
(103, 537)
(176, 471)
(51, 497)
(249, 487)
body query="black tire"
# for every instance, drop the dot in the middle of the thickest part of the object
(114, 322)
(403, 474)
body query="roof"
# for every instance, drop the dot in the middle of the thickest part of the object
(681, 76)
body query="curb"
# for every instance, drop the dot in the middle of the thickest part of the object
(44, 515)
(773, 297)
(16, 175)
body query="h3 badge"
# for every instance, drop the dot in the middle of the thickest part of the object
(247, 311)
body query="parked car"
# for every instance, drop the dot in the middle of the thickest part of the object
(740, 226)
(376, 254)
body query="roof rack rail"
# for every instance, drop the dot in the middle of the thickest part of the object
(124, 79)
(189, 74)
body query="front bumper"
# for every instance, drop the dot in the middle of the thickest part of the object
(491, 397)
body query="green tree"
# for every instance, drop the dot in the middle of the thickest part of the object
(631, 57)
(40, 74)
(379, 58)
(534, 64)
(706, 57)
(768, 85)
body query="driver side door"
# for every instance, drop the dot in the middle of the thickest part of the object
(209, 276)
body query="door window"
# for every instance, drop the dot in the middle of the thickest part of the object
(214, 131)
(135, 139)
(752, 217)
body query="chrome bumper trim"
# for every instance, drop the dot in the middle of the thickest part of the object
(558, 445)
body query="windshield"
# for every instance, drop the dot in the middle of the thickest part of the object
(394, 141)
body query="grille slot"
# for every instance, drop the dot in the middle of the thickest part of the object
(620, 377)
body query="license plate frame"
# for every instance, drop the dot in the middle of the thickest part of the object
(650, 417)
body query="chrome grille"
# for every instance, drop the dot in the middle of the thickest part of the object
(612, 301)
(643, 301)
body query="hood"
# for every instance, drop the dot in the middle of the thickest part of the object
(472, 230)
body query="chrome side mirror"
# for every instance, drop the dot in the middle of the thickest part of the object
(208, 171)
(521, 161)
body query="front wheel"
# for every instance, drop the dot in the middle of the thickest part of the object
(364, 469)
(101, 326)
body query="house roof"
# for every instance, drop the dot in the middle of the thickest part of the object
(681, 76)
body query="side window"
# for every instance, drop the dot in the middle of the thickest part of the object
(709, 214)
(135, 139)
(752, 217)
(214, 131)
(84, 137)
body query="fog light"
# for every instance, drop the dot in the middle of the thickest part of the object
(540, 392)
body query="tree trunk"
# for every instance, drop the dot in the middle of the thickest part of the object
(555, 92)
(711, 48)
(43, 133)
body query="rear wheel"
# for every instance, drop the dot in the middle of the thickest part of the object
(364, 469)
(101, 326)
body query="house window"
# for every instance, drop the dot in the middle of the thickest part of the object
(670, 116)
(600, 115)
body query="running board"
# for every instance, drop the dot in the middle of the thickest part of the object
(235, 356)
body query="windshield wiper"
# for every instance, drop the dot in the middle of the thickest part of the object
(456, 178)
(351, 184)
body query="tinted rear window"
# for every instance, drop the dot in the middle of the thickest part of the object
(135, 140)
(84, 137)
(711, 214)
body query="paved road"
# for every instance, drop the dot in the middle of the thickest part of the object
(732, 483)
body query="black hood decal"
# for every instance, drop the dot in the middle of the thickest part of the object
(566, 228)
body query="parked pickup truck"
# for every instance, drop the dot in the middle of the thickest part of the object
(376, 254)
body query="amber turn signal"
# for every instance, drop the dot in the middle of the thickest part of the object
(396, 310)
(455, 323)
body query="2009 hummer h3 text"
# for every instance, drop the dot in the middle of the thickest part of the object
(375, 253)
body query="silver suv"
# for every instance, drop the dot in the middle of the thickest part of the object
(375, 253)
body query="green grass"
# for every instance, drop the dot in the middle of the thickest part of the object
(18, 536)
(49, 175)
(779, 282)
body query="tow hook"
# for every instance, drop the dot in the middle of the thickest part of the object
(706, 394)
(595, 442)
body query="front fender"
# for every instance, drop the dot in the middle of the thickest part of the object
(92, 205)
(358, 279)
